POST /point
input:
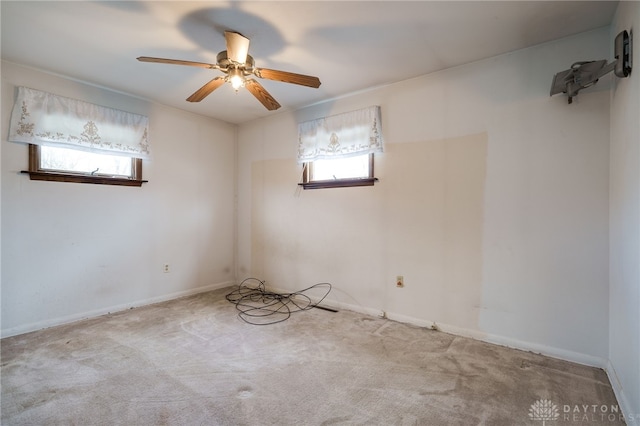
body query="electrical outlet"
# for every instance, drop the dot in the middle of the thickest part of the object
(166, 268)
(399, 281)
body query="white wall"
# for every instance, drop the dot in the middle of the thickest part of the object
(76, 250)
(624, 292)
(492, 203)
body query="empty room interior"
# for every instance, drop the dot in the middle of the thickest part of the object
(477, 260)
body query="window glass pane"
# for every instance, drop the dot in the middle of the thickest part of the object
(341, 168)
(63, 159)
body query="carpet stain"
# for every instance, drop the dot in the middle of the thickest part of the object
(336, 420)
(245, 393)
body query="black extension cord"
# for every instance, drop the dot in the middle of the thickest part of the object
(258, 306)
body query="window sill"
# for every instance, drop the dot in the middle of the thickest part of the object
(339, 183)
(99, 180)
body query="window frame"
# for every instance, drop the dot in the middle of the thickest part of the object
(307, 183)
(35, 172)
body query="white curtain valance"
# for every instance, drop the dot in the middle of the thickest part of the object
(43, 118)
(343, 135)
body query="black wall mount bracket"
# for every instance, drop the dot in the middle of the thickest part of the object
(585, 74)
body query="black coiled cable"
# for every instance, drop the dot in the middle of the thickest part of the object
(258, 306)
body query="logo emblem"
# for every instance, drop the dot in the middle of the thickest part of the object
(545, 410)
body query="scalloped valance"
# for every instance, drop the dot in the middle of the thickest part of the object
(343, 135)
(43, 118)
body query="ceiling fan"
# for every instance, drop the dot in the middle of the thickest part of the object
(238, 65)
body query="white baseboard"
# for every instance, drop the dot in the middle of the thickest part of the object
(354, 308)
(329, 303)
(413, 321)
(553, 352)
(632, 418)
(564, 354)
(110, 309)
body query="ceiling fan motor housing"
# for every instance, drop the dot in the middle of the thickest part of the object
(225, 63)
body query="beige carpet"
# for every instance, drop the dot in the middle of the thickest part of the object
(192, 361)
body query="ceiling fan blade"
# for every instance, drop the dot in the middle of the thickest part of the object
(175, 62)
(288, 77)
(237, 46)
(261, 94)
(205, 90)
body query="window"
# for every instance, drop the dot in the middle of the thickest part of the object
(72, 165)
(339, 172)
(337, 151)
(75, 141)
(75, 161)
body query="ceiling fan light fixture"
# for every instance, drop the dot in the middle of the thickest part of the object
(236, 78)
(237, 66)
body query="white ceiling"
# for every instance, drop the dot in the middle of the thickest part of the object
(350, 46)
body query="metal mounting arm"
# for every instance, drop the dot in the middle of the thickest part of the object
(585, 74)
